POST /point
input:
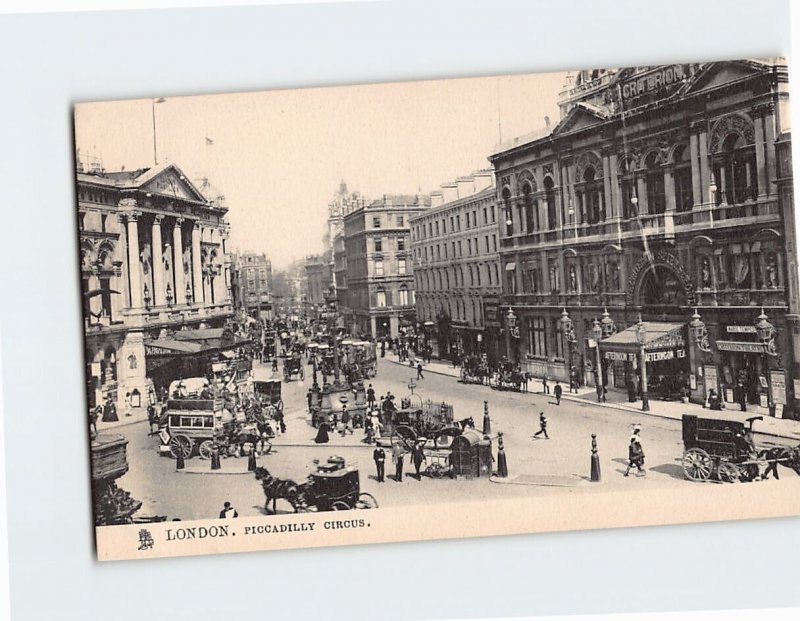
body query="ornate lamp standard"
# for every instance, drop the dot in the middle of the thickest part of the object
(568, 330)
(766, 334)
(700, 334)
(641, 337)
(512, 330)
(597, 333)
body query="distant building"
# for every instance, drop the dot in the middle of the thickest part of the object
(318, 282)
(252, 285)
(379, 271)
(457, 267)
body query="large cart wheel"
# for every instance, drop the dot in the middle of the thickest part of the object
(697, 465)
(180, 444)
(728, 472)
(366, 501)
(205, 449)
(340, 505)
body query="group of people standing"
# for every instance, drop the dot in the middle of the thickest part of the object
(399, 452)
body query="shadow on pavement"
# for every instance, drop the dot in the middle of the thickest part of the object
(673, 470)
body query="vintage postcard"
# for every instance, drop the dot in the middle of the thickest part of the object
(440, 309)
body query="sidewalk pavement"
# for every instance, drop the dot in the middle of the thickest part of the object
(618, 400)
(138, 415)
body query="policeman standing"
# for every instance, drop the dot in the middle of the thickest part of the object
(379, 455)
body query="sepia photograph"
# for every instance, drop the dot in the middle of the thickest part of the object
(439, 309)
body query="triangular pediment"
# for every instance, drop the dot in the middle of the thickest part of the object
(581, 116)
(170, 181)
(718, 74)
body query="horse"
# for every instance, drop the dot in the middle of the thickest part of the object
(467, 422)
(274, 488)
(783, 455)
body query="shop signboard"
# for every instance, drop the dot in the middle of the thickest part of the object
(777, 381)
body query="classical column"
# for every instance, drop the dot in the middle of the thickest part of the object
(769, 147)
(609, 209)
(197, 267)
(616, 203)
(694, 155)
(669, 187)
(177, 262)
(134, 265)
(761, 157)
(705, 173)
(158, 263)
(641, 193)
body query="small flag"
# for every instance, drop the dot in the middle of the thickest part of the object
(209, 141)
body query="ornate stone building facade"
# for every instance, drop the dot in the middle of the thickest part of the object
(252, 284)
(457, 266)
(661, 191)
(379, 267)
(153, 261)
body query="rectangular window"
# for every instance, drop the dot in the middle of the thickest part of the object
(494, 243)
(401, 244)
(511, 278)
(403, 297)
(459, 248)
(491, 212)
(458, 222)
(401, 266)
(537, 341)
(487, 244)
(558, 330)
(400, 221)
(379, 268)
(378, 245)
(485, 221)
(380, 299)
(467, 216)
(437, 227)
(478, 274)
(376, 222)
(469, 246)
(684, 197)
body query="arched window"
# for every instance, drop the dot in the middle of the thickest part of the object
(403, 295)
(380, 298)
(735, 171)
(550, 198)
(531, 210)
(507, 212)
(592, 210)
(656, 198)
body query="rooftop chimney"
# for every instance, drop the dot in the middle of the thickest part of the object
(465, 186)
(450, 191)
(437, 198)
(483, 179)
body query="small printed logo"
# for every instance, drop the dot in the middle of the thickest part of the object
(145, 539)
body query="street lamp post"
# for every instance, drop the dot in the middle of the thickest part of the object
(597, 333)
(700, 334)
(568, 330)
(641, 337)
(512, 330)
(766, 334)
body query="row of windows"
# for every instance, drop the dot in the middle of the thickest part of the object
(441, 279)
(404, 297)
(475, 246)
(378, 244)
(459, 309)
(471, 218)
(538, 344)
(379, 269)
(399, 220)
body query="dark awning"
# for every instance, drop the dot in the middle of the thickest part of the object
(658, 335)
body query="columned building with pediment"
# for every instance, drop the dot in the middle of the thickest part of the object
(664, 192)
(153, 263)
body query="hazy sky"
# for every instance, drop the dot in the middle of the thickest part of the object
(279, 156)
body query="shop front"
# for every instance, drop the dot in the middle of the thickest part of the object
(659, 346)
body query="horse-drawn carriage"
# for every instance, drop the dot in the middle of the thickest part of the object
(721, 447)
(198, 426)
(508, 376)
(267, 393)
(425, 421)
(334, 486)
(293, 368)
(475, 370)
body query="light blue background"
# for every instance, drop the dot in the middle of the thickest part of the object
(49, 61)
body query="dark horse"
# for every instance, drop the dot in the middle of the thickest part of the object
(274, 488)
(785, 456)
(467, 422)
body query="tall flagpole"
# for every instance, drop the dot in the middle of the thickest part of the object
(153, 103)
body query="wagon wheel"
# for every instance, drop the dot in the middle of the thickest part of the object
(205, 449)
(728, 472)
(436, 470)
(366, 501)
(697, 464)
(181, 444)
(340, 505)
(404, 435)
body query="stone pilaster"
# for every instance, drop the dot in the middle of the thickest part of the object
(159, 286)
(177, 260)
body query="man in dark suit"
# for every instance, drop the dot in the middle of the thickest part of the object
(379, 455)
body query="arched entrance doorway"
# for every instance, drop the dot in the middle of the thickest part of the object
(661, 287)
